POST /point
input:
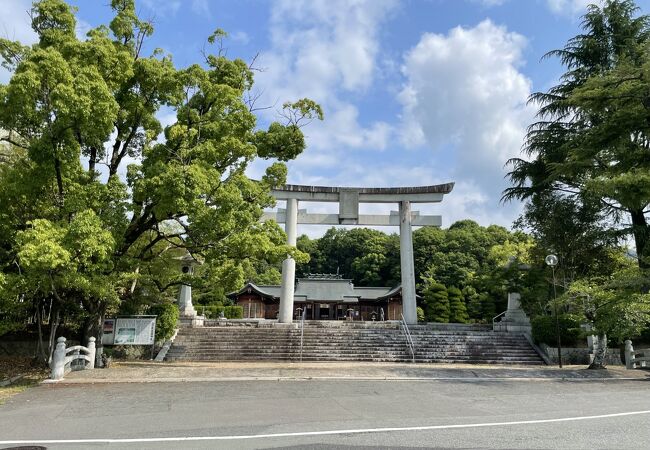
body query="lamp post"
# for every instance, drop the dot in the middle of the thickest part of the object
(551, 260)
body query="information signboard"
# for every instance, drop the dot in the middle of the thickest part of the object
(108, 336)
(130, 331)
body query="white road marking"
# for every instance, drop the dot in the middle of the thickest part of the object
(317, 433)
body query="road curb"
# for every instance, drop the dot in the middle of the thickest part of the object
(325, 378)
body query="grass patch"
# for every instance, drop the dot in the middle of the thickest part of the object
(13, 366)
(19, 386)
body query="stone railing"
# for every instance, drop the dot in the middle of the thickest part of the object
(635, 359)
(63, 357)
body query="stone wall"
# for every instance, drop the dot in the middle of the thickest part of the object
(580, 355)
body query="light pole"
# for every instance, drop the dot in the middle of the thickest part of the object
(551, 260)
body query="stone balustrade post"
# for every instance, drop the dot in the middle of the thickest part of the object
(91, 352)
(58, 360)
(629, 351)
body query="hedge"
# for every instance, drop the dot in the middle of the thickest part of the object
(544, 330)
(214, 311)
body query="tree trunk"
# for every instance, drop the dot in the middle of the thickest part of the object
(92, 160)
(93, 324)
(40, 358)
(54, 325)
(600, 351)
(641, 236)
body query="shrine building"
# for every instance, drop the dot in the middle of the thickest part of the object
(324, 297)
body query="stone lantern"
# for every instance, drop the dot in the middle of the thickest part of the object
(188, 315)
(515, 319)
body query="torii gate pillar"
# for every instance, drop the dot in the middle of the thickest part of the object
(289, 265)
(407, 267)
(349, 199)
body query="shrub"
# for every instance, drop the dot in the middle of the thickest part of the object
(234, 312)
(166, 321)
(214, 311)
(436, 302)
(457, 309)
(130, 352)
(420, 314)
(544, 330)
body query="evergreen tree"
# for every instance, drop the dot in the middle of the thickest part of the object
(473, 302)
(488, 307)
(590, 143)
(436, 302)
(457, 308)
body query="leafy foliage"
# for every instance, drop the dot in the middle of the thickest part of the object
(436, 302)
(87, 239)
(544, 330)
(457, 309)
(591, 141)
(166, 321)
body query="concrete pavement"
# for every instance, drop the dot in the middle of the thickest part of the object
(336, 413)
(130, 372)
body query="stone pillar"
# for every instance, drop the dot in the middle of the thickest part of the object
(289, 265)
(409, 305)
(185, 306)
(58, 360)
(629, 351)
(91, 352)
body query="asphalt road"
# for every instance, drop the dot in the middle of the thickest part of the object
(337, 413)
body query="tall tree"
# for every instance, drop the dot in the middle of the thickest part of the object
(81, 234)
(457, 308)
(592, 137)
(436, 301)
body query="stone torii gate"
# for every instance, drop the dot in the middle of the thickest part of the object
(348, 200)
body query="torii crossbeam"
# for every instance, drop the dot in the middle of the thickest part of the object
(348, 199)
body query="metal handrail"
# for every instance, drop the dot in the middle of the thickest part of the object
(302, 330)
(409, 338)
(494, 319)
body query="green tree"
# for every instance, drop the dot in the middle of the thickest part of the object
(614, 306)
(575, 229)
(85, 239)
(457, 308)
(473, 301)
(591, 141)
(364, 255)
(436, 302)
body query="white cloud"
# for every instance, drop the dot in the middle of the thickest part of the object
(163, 7)
(82, 29)
(569, 7)
(201, 7)
(241, 37)
(466, 99)
(15, 25)
(327, 51)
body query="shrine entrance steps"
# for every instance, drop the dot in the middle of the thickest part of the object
(350, 341)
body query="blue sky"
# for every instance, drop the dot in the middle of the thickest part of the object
(414, 92)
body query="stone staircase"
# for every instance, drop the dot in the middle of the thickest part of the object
(351, 341)
(460, 345)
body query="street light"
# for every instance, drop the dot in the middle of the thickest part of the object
(551, 260)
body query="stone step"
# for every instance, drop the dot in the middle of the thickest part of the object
(353, 335)
(335, 330)
(351, 343)
(350, 351)
(326, 346)
(330, 345)
(307, 358)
